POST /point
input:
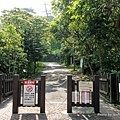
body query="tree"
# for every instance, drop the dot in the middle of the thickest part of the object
(91, 29)
(35, 42)
(32, 30)
(11, 49)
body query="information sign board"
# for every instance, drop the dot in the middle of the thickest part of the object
(29, 93)
(86, 86)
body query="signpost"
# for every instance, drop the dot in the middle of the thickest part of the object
(29, 93)
(81, 65)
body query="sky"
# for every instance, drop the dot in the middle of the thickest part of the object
(37, 5)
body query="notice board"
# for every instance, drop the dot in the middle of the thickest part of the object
(29, 92)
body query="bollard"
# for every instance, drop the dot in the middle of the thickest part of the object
(15, 93)
(69, 94)
(96, 97)
(39, 92)
(42, 95)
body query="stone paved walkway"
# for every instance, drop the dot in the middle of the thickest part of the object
(56, 102)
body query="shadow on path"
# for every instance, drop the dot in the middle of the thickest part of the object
(5, 102)
(29, 117)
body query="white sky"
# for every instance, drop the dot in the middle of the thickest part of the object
(37, 5)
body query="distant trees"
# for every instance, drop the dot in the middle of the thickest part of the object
(23, 41)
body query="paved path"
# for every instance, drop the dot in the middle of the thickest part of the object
(56, 102)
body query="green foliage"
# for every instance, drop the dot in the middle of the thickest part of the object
(35, 41)
(24, 40)
(115, 72)
(11, 50)
(40, 67)
(90, 30)
(28, 73)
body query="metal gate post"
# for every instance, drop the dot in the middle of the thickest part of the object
(69, 94)
(42, 96)
(0, 88)
(96, 94)
(15, 93)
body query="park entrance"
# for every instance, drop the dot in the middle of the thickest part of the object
(57, 96)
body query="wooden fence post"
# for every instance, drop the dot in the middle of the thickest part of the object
(19, 92)
(42, 96)
(69, 94)
(39, 93)
(4, 87)
(96, 94)
(15, 93)
(0, 88)
(117, 89)
(113, 88)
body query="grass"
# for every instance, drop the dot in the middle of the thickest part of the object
(78, 73)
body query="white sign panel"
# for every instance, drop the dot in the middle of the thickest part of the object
(81, 63)
(75, 96)
(29, 93)
(86, 86)
(85, 97)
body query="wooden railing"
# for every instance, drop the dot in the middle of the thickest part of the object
(6, 86)
(104, 84)
(109, 88)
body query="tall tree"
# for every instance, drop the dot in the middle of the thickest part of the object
(11, 49)
(33, 30)
(35, 42)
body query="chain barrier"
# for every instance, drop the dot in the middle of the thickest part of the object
(60, 84)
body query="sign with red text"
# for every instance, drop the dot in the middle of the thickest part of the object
(29, 93)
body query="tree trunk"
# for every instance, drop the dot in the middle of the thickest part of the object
(74, 61)
(90, 67)
(34, 67)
